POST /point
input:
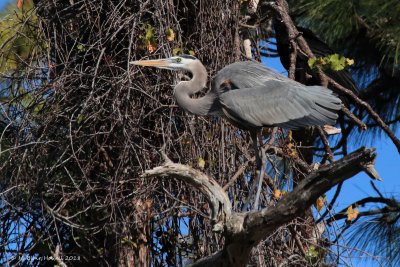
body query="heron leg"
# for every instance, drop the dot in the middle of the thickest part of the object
(260, 178)
(254, 135)
(257, 182)
(261, 165)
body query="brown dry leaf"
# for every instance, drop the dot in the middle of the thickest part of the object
(315, 166)
(20, 3)
(319, 204)
(351, 213)
(148, 203)
(186, 140)
(292, 150)
(151, 47)
(277, 194)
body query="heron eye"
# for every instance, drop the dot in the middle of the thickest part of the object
(179, 60)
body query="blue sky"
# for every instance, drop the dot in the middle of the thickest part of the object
(387, 163)
(4, 2)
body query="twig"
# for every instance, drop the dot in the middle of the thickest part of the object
(97, 66)
(392, 205)
(326, 143)
(247, 48)
(279, 152)
(384, 210)
(241, 169)
(353, 117)
(57, 258)
(376, 189)
(297, 240)
(329, 207)
(369, 109)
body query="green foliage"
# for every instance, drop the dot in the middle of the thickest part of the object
(314, 254)
(375, 23)
(333, 62)
(149, 38)
(177, 51)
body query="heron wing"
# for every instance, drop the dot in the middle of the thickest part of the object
(280, 102)
(246, 74)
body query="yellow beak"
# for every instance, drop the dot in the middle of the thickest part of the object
(152, 63)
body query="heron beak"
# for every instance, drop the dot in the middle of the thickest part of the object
(158, 63)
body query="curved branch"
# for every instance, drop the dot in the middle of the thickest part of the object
(243, 231)
(220, 204)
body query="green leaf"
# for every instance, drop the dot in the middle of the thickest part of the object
(81, 48)
(333, 62)
(149, 32)
(80, 118)
(312, 62)
(38, 107)
(126, 241)
(201, 163)
(170, 35)
(336, 62)
(176, 51)
(27, 101)
(312, 252)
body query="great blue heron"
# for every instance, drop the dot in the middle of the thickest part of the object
(250, 95)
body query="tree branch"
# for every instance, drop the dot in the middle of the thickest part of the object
(391, 206)
(220, 204)
(384, 210)
(369, 109)
(243, 231)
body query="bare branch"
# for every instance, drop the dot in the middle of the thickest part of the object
(354, 118)
(326, 144)
(244, 231)
(392, 205)
(221, 207)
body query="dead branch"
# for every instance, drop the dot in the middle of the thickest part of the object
(243, 231)
(220, 204)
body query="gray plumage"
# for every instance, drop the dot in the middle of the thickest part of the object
(250, 95)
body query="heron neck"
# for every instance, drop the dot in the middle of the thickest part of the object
(184, 91)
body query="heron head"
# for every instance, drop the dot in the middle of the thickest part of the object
(181, 62)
